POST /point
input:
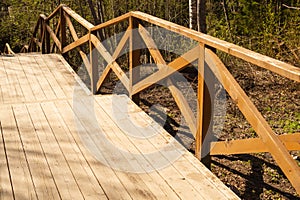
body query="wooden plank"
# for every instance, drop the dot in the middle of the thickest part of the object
(24, 82)
(78, 18)
(75, 44)
(5, 180)
(63, 77)
(15, 91)
(148, 182)
(80, 127)
(200, 101)
(192, 175)
(260, 60)
(111, 22)
(176, 93)
(1, 94)
(163, 138)
(174, 66)
(39, 170)
(53, 36)
(71, 27)
(81, 171)
(29, 68)
(55, 12)
(75, 37)
(116, 54)
(5, 86)
(56, 32)
(62, 175)
(72, 75)
(135, 186)
(253, 116)
(183, 179)
(49, 77)
(253, 145)
(22, 184)
(215, 182)
(109, 59)
(38, 73)
(129, 122)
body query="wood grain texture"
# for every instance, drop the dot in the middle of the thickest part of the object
(47, 143)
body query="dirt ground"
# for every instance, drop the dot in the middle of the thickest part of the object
(250, 176)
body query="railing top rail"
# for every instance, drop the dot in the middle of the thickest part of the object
(55, 12)
(78, 18)
(258, 59)
(112, 21)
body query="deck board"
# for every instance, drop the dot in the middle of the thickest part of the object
(58, 141)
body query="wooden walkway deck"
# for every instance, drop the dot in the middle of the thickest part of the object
(58, 141)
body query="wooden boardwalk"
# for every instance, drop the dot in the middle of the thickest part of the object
(58, 141)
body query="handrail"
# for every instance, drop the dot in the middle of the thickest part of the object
(198, 125)
(260, 60)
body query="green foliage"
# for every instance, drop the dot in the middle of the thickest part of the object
(264, 26)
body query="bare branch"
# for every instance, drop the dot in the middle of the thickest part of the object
(291, 7)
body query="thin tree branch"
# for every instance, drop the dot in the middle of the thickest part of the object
(291, 7)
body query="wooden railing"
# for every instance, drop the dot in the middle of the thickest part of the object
(268, 141)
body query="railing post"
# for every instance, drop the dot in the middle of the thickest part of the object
(62, 28)
(94, 65)
(134, 58)
(47, 37)
(43, 35)
(204, 135)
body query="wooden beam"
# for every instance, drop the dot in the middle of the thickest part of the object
(134, 58)
(200, 101)
(54, 12)
(109, 59)
(34, 35)
(53, 36)
(71, 27)
(111, 22)
(253, 145)
(260, 60)
(75, 44)
(176, 93)
(75, 37)
(254, 117)
(56, 32)
(117, 52)
(94, 75)
(174, 66)
(78, 18)
(63, 30)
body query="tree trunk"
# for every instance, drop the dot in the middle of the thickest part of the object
(201, 16)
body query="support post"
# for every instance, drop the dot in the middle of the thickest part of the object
(206, 87)
(47, 37)
(134, 58)
(94, 66)
(43, 35)
(200, 97)
(62, 28)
